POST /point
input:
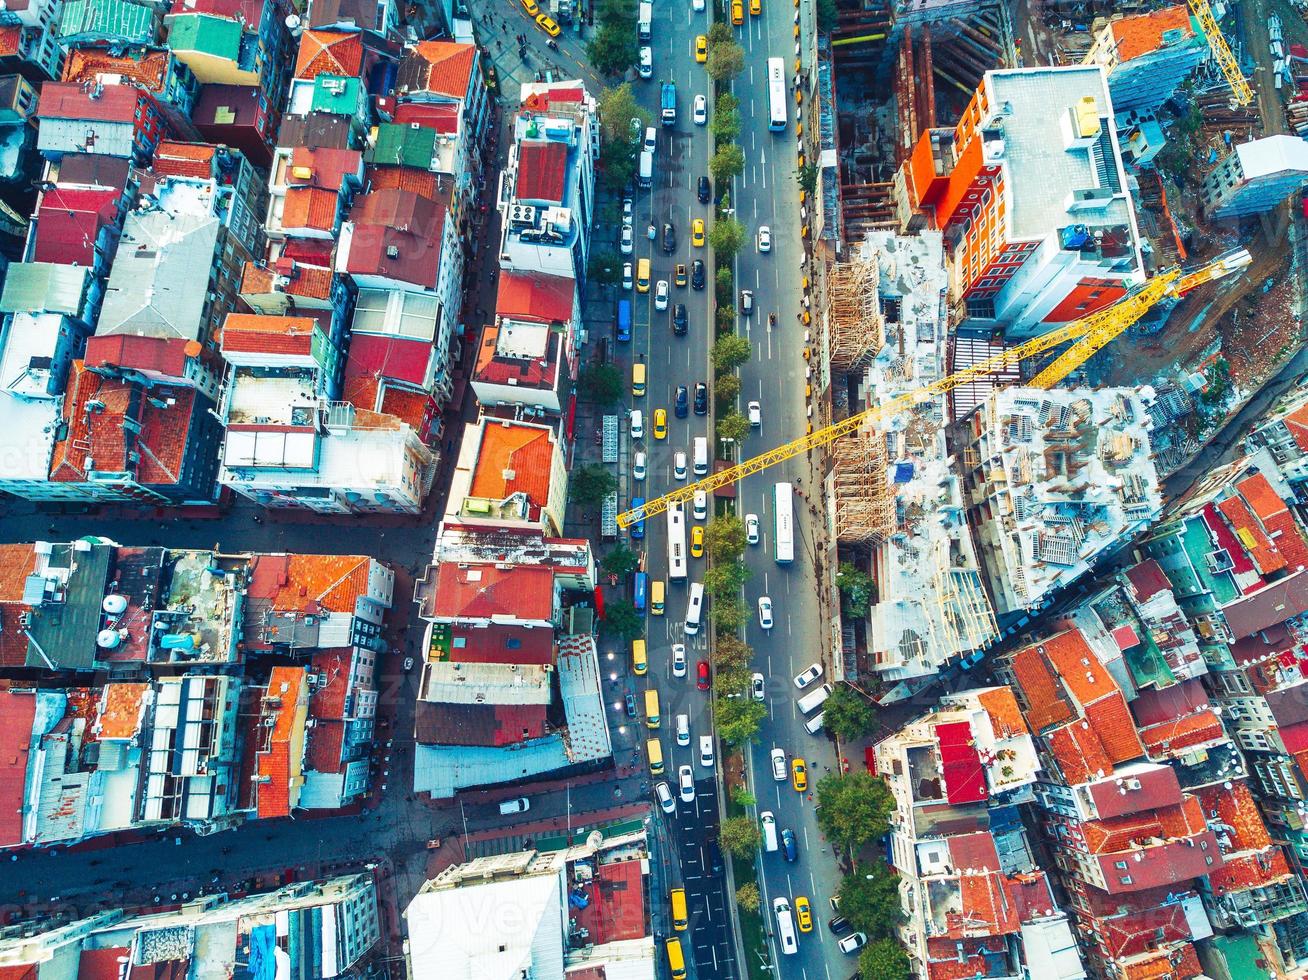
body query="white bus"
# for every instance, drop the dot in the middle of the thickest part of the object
(777, 118)
(783, 523)
(676, 542)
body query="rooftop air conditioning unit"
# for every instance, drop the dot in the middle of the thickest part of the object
(522, 214)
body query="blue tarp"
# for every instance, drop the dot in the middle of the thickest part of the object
(263, 962)
(903, 472)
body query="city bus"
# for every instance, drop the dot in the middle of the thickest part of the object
(641, 584)
(783, 523)
(777, 118)
(677, 542)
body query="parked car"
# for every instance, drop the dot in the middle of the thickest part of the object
(627, 243)
(808, 676)
(627, 275)
(686, 783)
(838, 925)
(664, 796)
(853, 943)
(637, 424)
(702, 675)
(638, 467)
(751, 529)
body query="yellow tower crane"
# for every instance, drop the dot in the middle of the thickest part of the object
(1240, 90)
(1089, 335)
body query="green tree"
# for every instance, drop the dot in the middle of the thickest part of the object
(858, 589)
(720, 33)
(589, 485)
(734, 681)
(621, 561)
(738, 719)
(724, 537)
(884, 959)
(724, 284)
(739, 836)
(848, 713)
(726, 388)
(854, 808)
(725, 61)
(622, 620)
(808, 178)
(742, 796)
(726, 238)
(726, 318)
(827, 15)
(726, 123)
(731, 653)
(733, 426)
(729, 614)
(869, 899)
(604, 267)
(728, 162)
(613, 49)
(725, 579)
(747, 896)
(729, 353)
(617, 107)
(602, 383)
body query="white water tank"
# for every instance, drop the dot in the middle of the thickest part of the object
(114, 604)
(107, 639)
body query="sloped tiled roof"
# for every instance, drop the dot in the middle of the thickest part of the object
(147, 68)
(513, 459)
(120, 711)
(483, 591)
(1260, 548)
(535, 296)
(69, 223)
(308, 281)
(310, 583)
(275, 764)
(1115, 728)
(1079, 753)
(1044, 699)
(542, 171)
(1005, 716)
(174, 159)
(414, 181)
(440, 67)
(1077, 667)
(329, 52)
(17, 712)
(310, 207)
(397, 235)
(268, 334)
(397, 358)
(1173, 737)
(65, 100)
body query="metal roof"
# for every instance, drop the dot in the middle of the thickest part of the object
(44, 287)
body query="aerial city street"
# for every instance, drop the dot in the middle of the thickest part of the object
(579, 489)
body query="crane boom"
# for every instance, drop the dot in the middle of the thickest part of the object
(1240, 89)
(1090, 333)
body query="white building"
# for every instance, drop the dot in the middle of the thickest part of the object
(1256, 177)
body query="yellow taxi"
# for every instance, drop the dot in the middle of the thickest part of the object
(697, 541)
(798, 775)
(679, 277)
(756, 7)
(803, 914)
(701, 49)
(697, 233)
(530, 6)
(660, 423)
(737, 12)
(546, 23)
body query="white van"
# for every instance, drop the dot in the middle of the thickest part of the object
(695, 609)
(814, 724)
(646, 62)
(813, 699)
(701, 456)
(683, 729)
(769, 823)
(518, 805)
(785, 927)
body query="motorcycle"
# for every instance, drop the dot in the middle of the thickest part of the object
(772, 319)
(653, 233)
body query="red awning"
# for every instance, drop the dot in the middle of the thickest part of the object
(599, 602)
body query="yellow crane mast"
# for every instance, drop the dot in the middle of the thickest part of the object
(1090, 335)
(1240, 90)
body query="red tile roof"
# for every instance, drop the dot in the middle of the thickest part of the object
(1170, 739)
(397, 358)
(87, 64)
(1276, 517)
(1119, 796)
(397, 236)
(1260, 548)
(964, 776)
(323, 166)
(973, 852)
(120, 712)
(1147, 579)
(305, 281)
(444, 118)
(1115, 728)
(489, 725)
(524, 592)
(1005, 716)
(502, 644)
(1079, 753)
(173, 159)
(325, 742)
(1244, 871)
(422, 182)
(268, 334)
(69, 222)
(414, 408)
(1136, 36)
(17, 561)
(1077, 667)
(278, 764)
(514, 459)
(1139, 930)
(11, 41)
(1173, 963)
(542, 171)
(310, 207)
(1297, 423)
(525, 372)
(986, 907)
(310, 583)
(449, 66)
(17, 713)
(330, 53)
(1046, 704)
(66, 100)
(617, 908)
(153, 355)
(1236, 808)
(535, 297)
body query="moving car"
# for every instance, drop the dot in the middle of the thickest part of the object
(808, 676)
(789, 846)
(853, 943)
(697, 274)
(531, 7)
(679, 465)
(627, 243)
(679, 275)
(697, 6)
(638, 467)
(755, 412)
(778, 757)
(637, 424)
(765, 612)
(706, 751)
(683, 730)
(764, 238)
(546, 23)
(661, 295)
(697, 540)
(751, 529)
(704, 190)
(631, 705)
(669, 238)
(803, 914)
(697, 233)
(746, 302)
(702, 675)
(701, 398)
(686, 783)
(701, 48)
(660, 423)
(799, 775)
(681, 404)
(679, 321)
(737, 12)
(755, 7)
(664, 796)
(700, 112)
(627, 275)
(699, 505)
(756, 685)
(678, 660)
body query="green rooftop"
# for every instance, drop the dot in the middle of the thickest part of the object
(335, 94)
(219, 37)
(1198, 543)
(439, 646)
(117, 19)
(1146, 662)
(404, 146)
(1242, 956)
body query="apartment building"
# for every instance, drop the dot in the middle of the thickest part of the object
(1255, 177)
(1147, 56)
(509, 473)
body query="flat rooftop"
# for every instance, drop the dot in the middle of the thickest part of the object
(273, 396)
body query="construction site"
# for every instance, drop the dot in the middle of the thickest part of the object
(1179, 129)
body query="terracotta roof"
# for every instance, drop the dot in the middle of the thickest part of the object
(157, 355)
(422, 182)
(325, 742)
(973, 852)
(87, 64)
(310, 583)
(1136, 36)
(328, 166)
(17, 561)
(11, 41)
(1076, 665)
(66, 100)
(1244, 871)
(1260, 548)
(986, 907)
(268, 334)
(1297, 423)
(310, 207)
(275, 764)
(101, 435)
(17, 713)
(397, 358)
(329, 52)
(482, 591)
(441, 67)
(1005, 716)
(105, 964)
(542, 171)
(1145, 788)
(121, 710)
(1174, 963)
(1276, 517)
(172, 159)
(1045, 702)
(1169, 739)
(513, 459)
(415, 408)
(1079, 753)
(306, 281)
(397, 235)
(1140, 930)
(69, 222)
(536, 297)
(1115, 728)
(1236, 808)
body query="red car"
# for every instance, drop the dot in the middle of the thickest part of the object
(702, 675)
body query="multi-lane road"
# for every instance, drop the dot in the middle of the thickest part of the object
(766, 194)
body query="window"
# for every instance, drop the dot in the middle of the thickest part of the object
(1126, 879)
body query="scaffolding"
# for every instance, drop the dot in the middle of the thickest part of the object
(865, 503)
(853, 311)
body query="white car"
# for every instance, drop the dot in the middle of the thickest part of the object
(645, 66)
(699, 506)
(651, 139)
(686, 780)
(679, 465)
(751, 529)
(661, 295)
(756, 685)
(706, 751)
(638, 468)
(627, 279)
(764, 238)
(683, 730)
(853, 942)
(627, 211)
(765, 612)
(628, 241)
(700, 113)
(808, 677)
(664, 796)
(697, 6)
(678, 660)
(755, 412)
(779, 771)
(637, 424)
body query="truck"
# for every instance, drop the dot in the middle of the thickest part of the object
(645, 20)
(669, 104)
(645, 176)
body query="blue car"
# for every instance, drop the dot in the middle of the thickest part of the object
(638, 529)
(682, 405)
(789, 849)
(624, 321)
